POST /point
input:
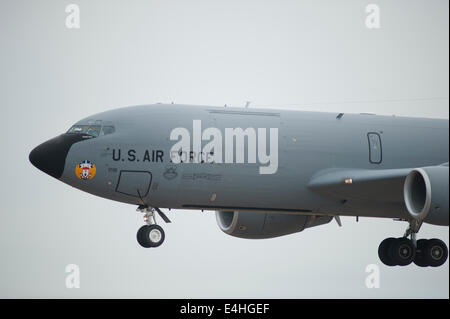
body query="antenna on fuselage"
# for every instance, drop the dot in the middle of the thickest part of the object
(247, 104)
(338, 220)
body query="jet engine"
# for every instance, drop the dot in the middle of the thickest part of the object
(258, 225)
(426, 194)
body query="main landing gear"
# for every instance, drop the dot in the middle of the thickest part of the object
(151, 234)
(404, 251)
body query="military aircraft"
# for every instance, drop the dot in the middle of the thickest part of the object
(265, 172)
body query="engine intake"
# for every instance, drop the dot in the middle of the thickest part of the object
(426, 194)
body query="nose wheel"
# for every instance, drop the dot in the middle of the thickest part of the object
(151, 235)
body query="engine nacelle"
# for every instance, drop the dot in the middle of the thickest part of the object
(258, 225)
(426, 194)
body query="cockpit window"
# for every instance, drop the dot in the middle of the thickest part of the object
(77, 129)
(107, 130)
(92, 130)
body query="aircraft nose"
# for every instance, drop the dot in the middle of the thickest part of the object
(50, 156)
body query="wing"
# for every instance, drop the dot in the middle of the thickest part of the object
(361, 184)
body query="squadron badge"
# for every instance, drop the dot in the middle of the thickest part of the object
(85, 170)
(170, 172)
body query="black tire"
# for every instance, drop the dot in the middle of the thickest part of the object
(402, 251)
(435, 252)
(141, 239)
(150, 236)
(383, 250)
(420, 260)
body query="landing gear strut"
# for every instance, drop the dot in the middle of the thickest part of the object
(151, 234)
(403, 251)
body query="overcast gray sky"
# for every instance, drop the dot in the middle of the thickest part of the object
(305, 55)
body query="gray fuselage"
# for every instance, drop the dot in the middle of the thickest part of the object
(133, 164)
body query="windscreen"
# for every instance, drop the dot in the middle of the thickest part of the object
(91, 130)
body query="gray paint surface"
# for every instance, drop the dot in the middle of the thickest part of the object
(310, 144)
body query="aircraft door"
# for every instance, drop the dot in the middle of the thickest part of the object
(134, 183)
(375, 148)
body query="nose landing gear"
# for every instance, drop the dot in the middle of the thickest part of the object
(151, 235)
